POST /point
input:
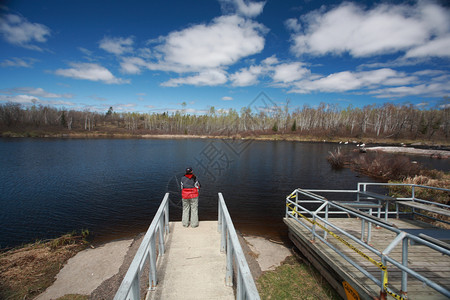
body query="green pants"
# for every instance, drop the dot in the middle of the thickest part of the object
(190, 205)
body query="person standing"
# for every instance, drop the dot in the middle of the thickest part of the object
(189, 194)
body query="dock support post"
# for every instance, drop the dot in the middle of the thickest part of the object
(404, 289)
(161, 237)
(229, 275)
(219, 217)
(383, 294)
(223, 238)
(166, 218)
(326, 225)
(152, 272)
(363, 229)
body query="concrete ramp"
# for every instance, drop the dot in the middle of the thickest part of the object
(193, 266)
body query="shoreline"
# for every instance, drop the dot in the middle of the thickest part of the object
(376, 142)
(433, 153)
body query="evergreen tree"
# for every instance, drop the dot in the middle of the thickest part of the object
(294, 126)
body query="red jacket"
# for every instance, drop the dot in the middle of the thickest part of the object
(189, 186)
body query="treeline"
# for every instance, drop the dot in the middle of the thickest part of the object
(384, 121)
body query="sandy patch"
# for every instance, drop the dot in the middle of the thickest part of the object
(269, 254)
(87, 270)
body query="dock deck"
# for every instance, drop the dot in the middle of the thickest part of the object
(193, 266)
(432, 264)
(206, 262)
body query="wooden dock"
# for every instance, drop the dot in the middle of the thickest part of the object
(336, 270)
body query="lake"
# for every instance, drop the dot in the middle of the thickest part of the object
(113, 187)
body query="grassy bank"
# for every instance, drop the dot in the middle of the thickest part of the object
(249, 136)
(294, 279)
(27, 271)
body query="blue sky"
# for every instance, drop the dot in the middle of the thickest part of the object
(151, 56)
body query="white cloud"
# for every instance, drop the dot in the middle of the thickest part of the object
(246, 76)
(292, 24)
(289, 72)
(23, 99)
(227, 98)
(38, 92)
(434, 89)
(132, 65)
(421, 29)
(211, 77)
(18, 62)
(270, 60)
(352, 81)
(437, 47)
(223, 42)
(117, 45)
(90, 71)
(199, 48)
(18, 31)
(243, 7)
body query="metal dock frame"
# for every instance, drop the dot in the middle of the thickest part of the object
(311, 220)
(129, 288)
(236, 262)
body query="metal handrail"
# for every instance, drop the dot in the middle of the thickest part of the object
(246, 288)
(129, 288)
(294, 208)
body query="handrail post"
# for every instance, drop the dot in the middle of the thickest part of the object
(223, 238)
(161, 237)
(404, 289)
(166, 217)
(229, 275)
(326, 225)
(152, 272)
(219, 216)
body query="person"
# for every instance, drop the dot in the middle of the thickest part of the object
(189, 193)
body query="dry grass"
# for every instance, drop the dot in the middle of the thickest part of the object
(432, 178)
(27, 271)
(379, 165)
(398, 168)
(294, 280)
(337, 159)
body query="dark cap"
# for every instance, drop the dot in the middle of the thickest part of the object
(188, 170)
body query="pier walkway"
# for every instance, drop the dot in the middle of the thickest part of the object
(193, 267)
(206, 262)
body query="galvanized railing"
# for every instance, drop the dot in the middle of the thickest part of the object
(364, 186)
(311, 220)
(246, 288)
(129, 288)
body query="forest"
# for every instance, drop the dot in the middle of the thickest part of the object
(387, 121)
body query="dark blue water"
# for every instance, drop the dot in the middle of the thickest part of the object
(114, 187)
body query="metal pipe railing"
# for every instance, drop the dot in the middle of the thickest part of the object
(130, 288)
(295, 208)
(246, 288)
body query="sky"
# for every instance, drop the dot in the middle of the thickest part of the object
(164, 56)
